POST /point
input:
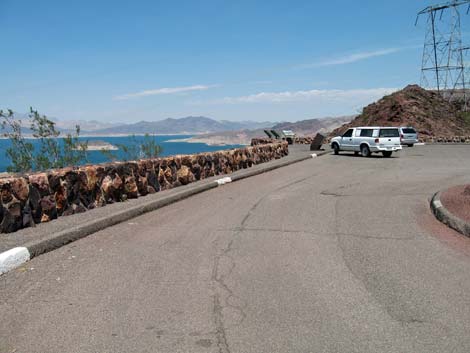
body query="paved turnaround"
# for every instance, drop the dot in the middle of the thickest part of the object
(333, 254)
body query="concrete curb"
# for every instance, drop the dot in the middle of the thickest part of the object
(17, 256)
(446, 217)
(13, 258)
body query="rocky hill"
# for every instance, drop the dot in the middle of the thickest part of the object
(414, 106)
(310, 127)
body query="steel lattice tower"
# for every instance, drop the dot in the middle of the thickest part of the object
(445, 65)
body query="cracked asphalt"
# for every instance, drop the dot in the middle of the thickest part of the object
(333, 254)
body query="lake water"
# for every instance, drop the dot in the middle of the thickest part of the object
(169, 148)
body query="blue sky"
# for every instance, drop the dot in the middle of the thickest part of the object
(125, 61)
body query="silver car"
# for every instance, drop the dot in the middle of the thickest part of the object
(408, 136)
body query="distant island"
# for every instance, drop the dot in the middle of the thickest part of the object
(99, 145)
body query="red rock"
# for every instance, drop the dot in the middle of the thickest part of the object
(60, 197)
(184, 175)
(107, 185)
(92, 177)
(40, 182)
(130, 187)
(6, 194)
(142, 185)
(117, 182)
(20, 189)
(12, 219)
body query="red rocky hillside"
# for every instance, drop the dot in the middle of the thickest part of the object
(413, 106)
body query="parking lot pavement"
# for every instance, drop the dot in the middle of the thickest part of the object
(333, 254)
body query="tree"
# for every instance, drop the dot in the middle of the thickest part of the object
(74, 150)
(51, 153)
(149, 147)
(21, 151)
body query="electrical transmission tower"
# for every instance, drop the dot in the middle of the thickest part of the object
(445, 65)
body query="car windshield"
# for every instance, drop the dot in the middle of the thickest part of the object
(389, 133)
(408, 130)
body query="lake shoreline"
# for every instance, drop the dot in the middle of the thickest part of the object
(96, 156)
(31, 137)
(207, 141)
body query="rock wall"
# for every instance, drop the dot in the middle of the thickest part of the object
(444, 139)
(301, 140)
(41, 197)
(262, 141)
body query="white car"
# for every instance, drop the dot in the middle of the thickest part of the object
(367, 140)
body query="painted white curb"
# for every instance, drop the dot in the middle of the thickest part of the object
(420, 144)
(13, 258)
(314, 155)
(223, 181)
(437, 204)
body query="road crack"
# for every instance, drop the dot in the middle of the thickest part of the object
(223, 266)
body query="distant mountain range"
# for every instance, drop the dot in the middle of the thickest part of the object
(190, 125)
(210, 130)
(307, 127)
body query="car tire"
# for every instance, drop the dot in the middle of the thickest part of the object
(365, 151)
(356, 153)
(335, 148)
(387, 154)
(411, 145)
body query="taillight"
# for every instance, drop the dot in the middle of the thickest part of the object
(376, 140)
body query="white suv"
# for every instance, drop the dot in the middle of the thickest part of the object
(367, 140)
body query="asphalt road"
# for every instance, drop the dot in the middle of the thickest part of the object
(334, 254)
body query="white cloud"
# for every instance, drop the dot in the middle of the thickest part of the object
(160, 91)
(351, 58)
(352, 95)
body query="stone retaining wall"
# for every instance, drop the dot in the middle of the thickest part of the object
(41, 197)
(443, 139)
(262, 141)
(303, 140)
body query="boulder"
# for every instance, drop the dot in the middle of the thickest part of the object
(142, 185)
(12, 219)
(184, 175)
(20, 188)
(130, 187)
(48, 207)
(41, 183)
